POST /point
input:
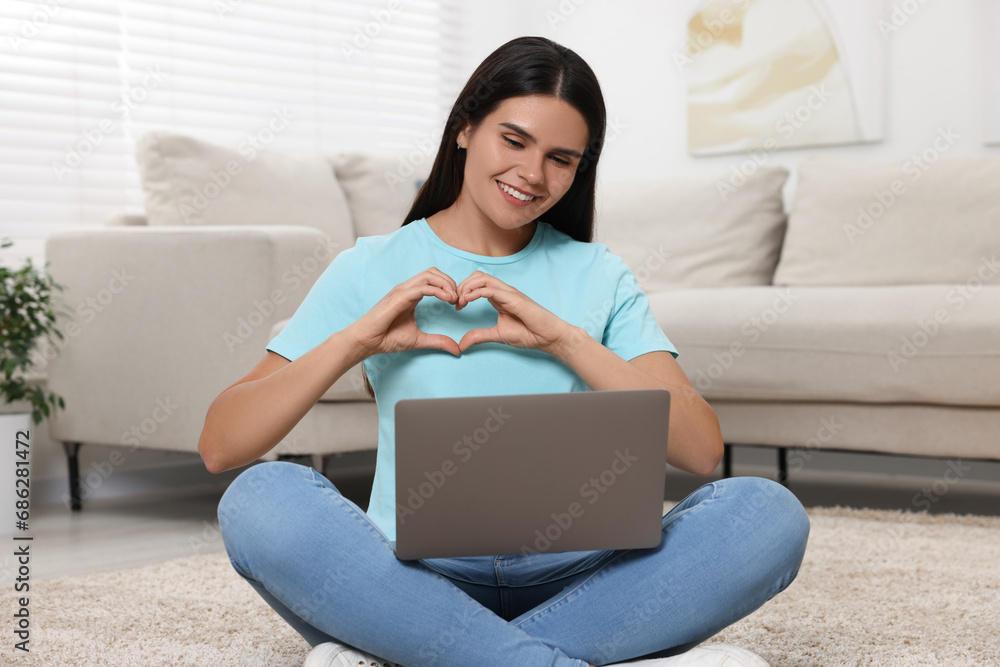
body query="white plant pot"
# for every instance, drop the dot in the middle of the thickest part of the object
(13, 427)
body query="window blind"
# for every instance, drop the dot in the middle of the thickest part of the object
(81, 80)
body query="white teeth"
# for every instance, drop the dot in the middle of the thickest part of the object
(514, 193)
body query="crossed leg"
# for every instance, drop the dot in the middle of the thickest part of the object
(329, 572)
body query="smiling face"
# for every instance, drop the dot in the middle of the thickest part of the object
(521, 160)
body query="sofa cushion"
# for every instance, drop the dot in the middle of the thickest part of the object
(349, 387)
(908, 222)
(379, 190)
(187, 181)
(933, 344)
(695, 231)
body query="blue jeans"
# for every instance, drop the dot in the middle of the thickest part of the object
(328, 571)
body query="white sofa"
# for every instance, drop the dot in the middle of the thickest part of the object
(822, 328)
(878, 329)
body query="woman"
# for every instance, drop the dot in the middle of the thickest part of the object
(491, 287)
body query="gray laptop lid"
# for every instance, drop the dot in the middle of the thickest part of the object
(530, 473)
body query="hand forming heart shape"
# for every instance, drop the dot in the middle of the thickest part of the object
(390, 326)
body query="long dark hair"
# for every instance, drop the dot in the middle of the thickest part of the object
(523, 66)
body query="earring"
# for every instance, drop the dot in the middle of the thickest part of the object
(460, 145)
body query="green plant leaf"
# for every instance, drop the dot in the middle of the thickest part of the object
(27, 318)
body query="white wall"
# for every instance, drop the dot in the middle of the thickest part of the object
(934, 79)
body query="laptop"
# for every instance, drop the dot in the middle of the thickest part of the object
(530, 473)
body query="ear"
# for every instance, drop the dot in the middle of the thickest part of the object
(464, 134)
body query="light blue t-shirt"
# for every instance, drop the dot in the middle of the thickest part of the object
(583, 283)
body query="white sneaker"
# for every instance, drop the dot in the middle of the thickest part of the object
(716, 655)
(332, 654)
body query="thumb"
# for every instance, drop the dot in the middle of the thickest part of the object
(438, 342)
(476, 336)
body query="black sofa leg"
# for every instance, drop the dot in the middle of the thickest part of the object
(73, 461)
(783, 465)
(727, 461)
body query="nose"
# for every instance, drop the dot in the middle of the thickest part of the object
(532, 168)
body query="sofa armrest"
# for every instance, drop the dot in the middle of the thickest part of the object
(162, 319)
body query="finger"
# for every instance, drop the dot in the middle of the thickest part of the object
(434, 277)
(444, 276)
(495, 296)
(480, 278)
(476, 336)
(476, 278)
(490, 287)
(406, 298)
(431, 276)
(441, 292)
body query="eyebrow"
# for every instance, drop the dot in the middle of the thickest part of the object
(527, 135)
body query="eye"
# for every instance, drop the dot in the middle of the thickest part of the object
(559, 161)
(513, 143)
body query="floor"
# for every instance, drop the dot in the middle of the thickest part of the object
(112, 534)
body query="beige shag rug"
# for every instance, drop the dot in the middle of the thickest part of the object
(876, 588)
